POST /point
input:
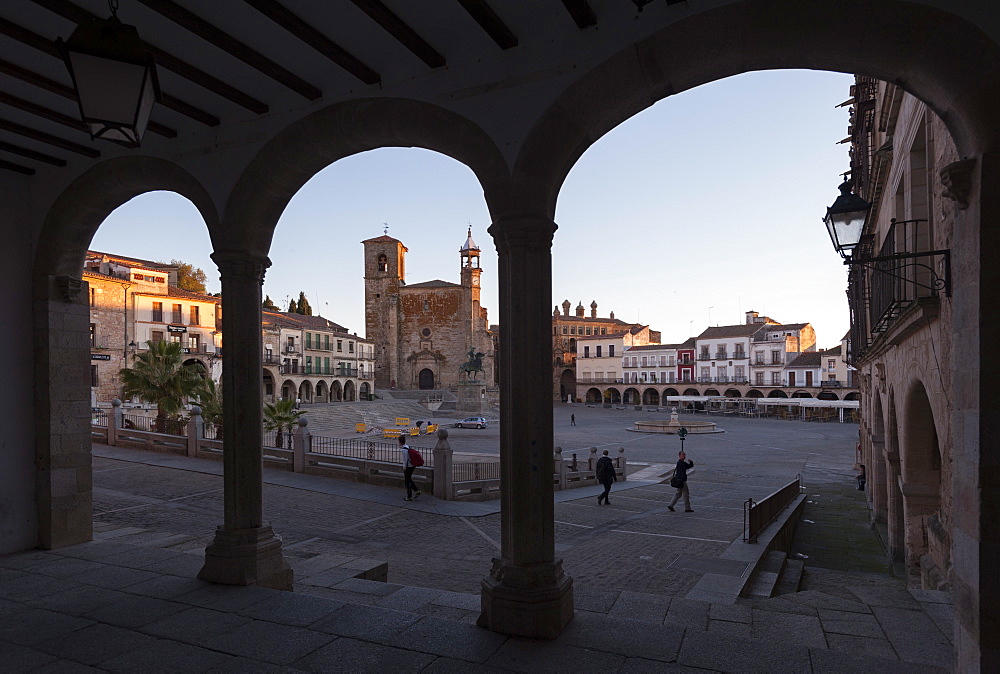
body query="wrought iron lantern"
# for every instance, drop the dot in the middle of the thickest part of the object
(114, 78)
(845, 219)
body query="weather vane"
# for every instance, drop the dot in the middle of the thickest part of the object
(385, 230)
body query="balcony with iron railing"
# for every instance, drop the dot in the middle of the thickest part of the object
(882, 287)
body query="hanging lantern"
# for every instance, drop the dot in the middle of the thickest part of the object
(114, 78)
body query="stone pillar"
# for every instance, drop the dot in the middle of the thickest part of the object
(301, 445)
(63, 478)
(245, 550)
(622, 464)
(526, 593)
(114, 421)
(560, 468)
(592, 460)
(443, 461)
(195, 431)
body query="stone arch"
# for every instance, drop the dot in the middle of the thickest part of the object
(711, 392)
(777, 393)
(802, 394)
(827, 395)
(321, 392)
(670, 392)
(853, 395)
(927, 541)
(691, 392)
(567, 384)
(336, 391)
(365, 391)
(631, 396)
(343, 129)
(754, 393)
(896, 515)
(425, 379)
(350, 391)
(306, 391)
(879, 482)
(651, 397)
(268, 380)
(594, 395)
(288, 390)
(614, 396)
(733, 393)
(891, 44)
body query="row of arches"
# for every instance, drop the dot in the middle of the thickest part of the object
(653, 396)
(310, 391)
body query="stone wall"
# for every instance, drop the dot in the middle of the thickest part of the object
(107, 299)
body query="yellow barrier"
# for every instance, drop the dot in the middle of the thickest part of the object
(402, 421)
(361, 428)
(431, 428)
(392, 432)
(414, 431)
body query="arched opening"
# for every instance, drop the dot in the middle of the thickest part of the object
(733, 393)
(288, 390)
(777, 393)
(827, 395)
(897, 514)
(321, 391)
(567, 384)
(754, 393)
(802, 394)
(691, 392)
(613, 396)
(651, 397)
(853, 395)
(593, 396)
(928, 544)
(305, 391)
(670, 392)
(365, 391)
(350, 392)
(631, 397)
(425, 379)
(268, 386)
(336, 391)
(711, 392)
(880, 484)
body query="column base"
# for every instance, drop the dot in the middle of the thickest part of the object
(534, 602)
(246, 557)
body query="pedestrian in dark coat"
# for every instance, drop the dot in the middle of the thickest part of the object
(680, 482)
(605, 471)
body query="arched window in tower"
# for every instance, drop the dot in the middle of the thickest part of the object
(383, 263)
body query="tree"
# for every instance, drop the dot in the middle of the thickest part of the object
(189, 277)
(281, 417)
(210, 401)
(268, 305)
(292, 308)
(160, 377)
(303, 307)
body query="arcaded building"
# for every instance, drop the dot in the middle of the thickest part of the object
(423, 332)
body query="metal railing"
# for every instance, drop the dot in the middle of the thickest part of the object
(152, 424)
(757, 515)
(470, 472)
(370, 450)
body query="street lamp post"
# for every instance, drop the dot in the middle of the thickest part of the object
(682, 433)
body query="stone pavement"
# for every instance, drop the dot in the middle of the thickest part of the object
(111, 606)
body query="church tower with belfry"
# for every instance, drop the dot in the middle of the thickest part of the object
(423, 332)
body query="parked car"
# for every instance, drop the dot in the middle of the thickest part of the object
(473, 422)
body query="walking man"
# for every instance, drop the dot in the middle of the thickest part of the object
(408, 467)
(572, 420)
(680, 482)
(605, 471)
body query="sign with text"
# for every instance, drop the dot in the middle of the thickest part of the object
(100, 356)
(176, 328)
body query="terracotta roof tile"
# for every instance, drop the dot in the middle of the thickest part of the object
(728, 331)
(806, 359)
(436, 283)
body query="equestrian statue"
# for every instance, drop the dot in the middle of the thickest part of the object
(475, 364)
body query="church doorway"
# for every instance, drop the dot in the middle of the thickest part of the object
(426, 379)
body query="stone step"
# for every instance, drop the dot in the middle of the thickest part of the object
(767, 575)
(791, 577)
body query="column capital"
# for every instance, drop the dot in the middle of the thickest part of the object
(238, 263)
(533, 232)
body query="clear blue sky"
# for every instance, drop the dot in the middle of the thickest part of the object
(702, 207)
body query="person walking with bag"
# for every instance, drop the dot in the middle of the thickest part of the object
(605, 472)
(679, 482)
(411, 459)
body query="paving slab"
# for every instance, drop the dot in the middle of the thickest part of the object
(687, 613)
(525, 655)
(135, 611)
(80, 600)
(641, 607)
(21, 658)
(914, 636)
(839, 661)
(165, 657)
(468, 602)
(268, 642)
(226, 597)
(94, 644)
(194, 625)
(450, 639)
(36, 626)
(896, 597)
(379, 625)
(738, 613)
(114, 577)
(729, 654)
(351, 655)
(293, 609)
(804, 630)
(866, 646)
(624, 637)
(409, 598)
(32, 587)
(731, 629)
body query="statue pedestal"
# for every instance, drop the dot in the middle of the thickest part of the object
(472, 398)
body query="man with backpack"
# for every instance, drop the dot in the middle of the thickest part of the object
(605, 472)
(411, 459)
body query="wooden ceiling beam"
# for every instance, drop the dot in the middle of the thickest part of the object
(295, 25)
(405, 35)
(76, 14)
(490, 22)
(17, 168)
(582, 13)
(48, 139)
(31, 154)
(227, 43)
(33, 78)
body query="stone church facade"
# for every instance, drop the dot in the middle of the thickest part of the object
(423, 332)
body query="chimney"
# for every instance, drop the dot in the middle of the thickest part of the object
(593, 309)
(752, 317)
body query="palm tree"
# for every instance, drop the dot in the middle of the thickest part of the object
(210, 401)
(159, 376)
(281, 416)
